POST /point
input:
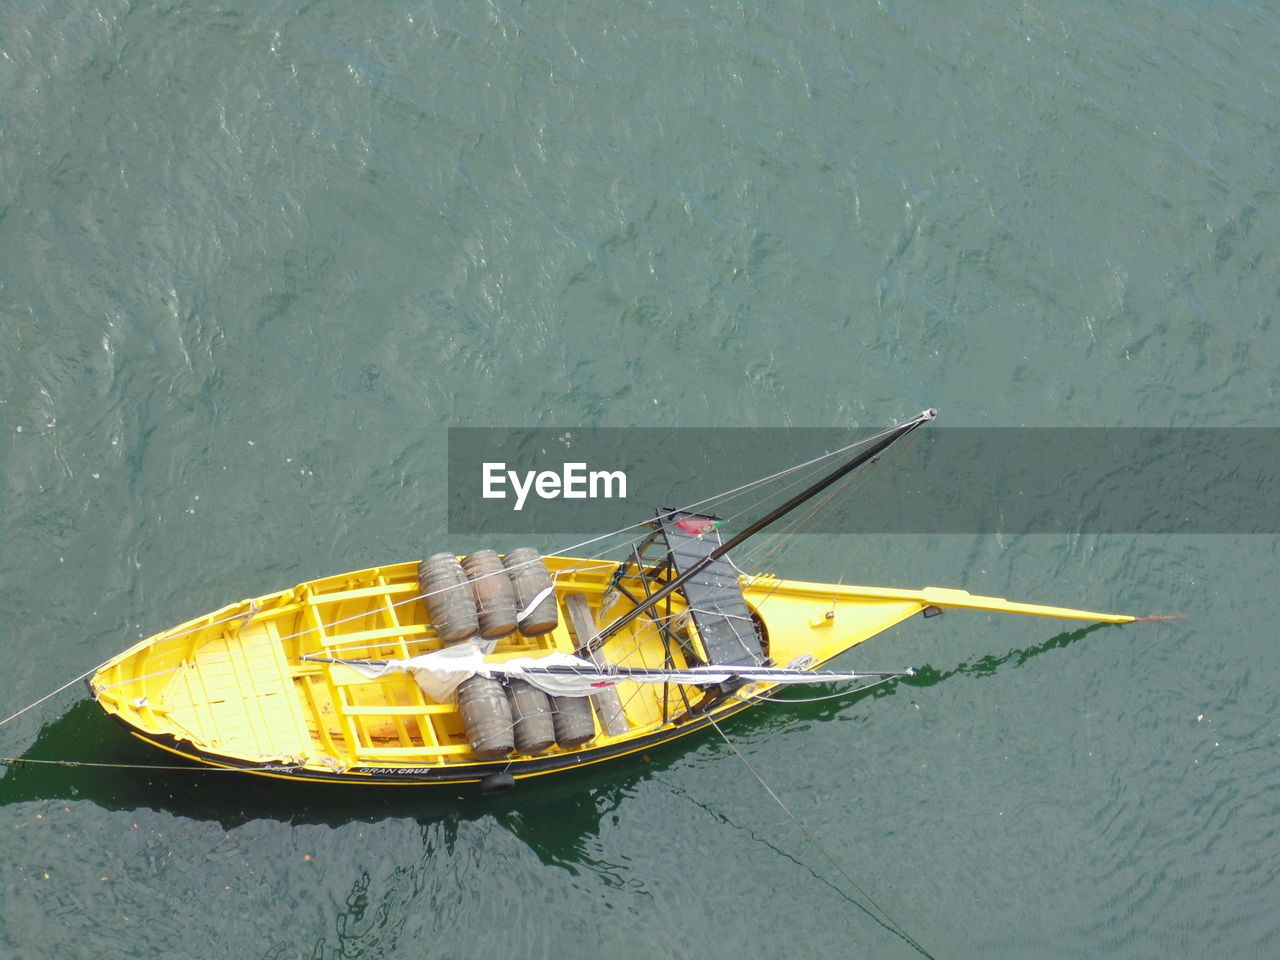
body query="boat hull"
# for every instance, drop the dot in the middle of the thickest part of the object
(519, 768)
(240, 688)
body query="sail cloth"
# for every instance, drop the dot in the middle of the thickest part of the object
(440, 672)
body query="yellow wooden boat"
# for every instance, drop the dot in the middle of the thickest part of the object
(349, 679)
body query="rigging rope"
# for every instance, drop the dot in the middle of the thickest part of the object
(722, 497)
(726, 496)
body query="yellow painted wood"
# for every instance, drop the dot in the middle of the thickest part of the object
(231, 687)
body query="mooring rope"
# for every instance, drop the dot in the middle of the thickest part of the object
(41, 761)
(893, 924)
(53, 693)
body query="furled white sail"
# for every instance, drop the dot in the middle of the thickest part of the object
(440, 672)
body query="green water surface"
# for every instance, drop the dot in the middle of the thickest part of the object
(256, 258)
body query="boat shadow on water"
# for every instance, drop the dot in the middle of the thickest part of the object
(99, 762)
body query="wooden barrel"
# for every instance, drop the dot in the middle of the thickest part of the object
(495, 599)
(451, 606)
(531, 716)
(486, 716)
(573, 720)
(529, 577)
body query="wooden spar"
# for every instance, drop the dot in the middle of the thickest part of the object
(894, 435)
(710, 673)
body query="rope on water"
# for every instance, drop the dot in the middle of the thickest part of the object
(16, 761)
(893, 924)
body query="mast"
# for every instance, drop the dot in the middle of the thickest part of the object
(895, 434)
